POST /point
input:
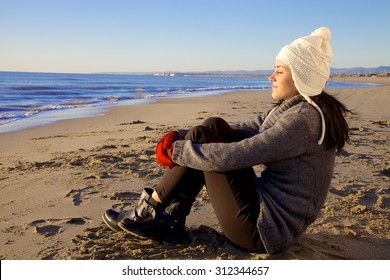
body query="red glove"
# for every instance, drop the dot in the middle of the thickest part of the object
(164, 149)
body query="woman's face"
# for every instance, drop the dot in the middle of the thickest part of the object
(283, 86)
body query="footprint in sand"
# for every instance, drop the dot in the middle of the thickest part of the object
(50, 227)
(124, 196)
(347, 190)
(48, 230)
(79, 195)
(367, 198)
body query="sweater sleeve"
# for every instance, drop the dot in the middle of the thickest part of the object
(247, 129)
(289, 137)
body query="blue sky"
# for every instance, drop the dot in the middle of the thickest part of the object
(86, 36)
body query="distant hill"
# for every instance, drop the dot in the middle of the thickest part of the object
(360, 70)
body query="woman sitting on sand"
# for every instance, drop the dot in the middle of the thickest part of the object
(296, 141)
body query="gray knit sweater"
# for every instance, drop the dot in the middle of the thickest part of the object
(294, 184)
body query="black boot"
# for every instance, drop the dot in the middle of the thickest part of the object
(151, 220)
(179, 209)
(111, 217)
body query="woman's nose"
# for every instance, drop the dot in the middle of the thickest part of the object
(271, 78)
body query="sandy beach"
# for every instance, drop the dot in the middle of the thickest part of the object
(57, 180)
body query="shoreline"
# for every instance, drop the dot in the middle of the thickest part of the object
(56, 180)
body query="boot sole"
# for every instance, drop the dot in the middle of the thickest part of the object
(124, 228)
(168, 238)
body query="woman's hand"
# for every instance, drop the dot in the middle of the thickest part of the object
(165, 147)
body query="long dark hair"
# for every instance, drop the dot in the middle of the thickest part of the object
(337, 130)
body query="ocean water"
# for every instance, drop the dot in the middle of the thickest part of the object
(32, 99)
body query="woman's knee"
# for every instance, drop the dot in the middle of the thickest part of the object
(202, 134)
(215, 122)
(221, 128)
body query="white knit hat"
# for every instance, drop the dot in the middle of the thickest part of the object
(309, 59)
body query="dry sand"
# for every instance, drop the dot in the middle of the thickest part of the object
(57, 180)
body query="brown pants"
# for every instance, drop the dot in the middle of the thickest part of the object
(232, 194)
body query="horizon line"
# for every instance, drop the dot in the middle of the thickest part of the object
(184, 72)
